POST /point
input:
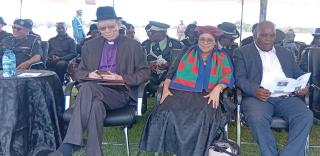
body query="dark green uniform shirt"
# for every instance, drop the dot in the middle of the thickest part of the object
(4, 34)
(24, 48)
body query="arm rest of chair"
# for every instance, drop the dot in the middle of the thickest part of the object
(68, 92)
(140, 99)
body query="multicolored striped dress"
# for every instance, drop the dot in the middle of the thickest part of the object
(184, 124)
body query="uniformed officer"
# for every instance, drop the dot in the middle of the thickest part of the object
(27, 48)
(31, 31)
(3, 34)
(226, 41)
(158, 50)
(77, 25)
(62, 48)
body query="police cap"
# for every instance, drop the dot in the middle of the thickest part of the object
(158, 26)
(23, 22)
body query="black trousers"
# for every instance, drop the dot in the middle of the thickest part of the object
(59, 67)
(259, 115)
(89, 112)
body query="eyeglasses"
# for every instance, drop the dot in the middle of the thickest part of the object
(16, 28)
(206, 40)
(109, 27)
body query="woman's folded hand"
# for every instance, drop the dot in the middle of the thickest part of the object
(214, 96)
(165, 93)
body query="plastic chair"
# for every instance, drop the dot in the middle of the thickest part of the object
(277, 122)
(124, 117)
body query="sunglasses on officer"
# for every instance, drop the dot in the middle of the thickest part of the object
(16, 28)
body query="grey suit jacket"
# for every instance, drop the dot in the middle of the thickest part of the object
(130, 61)
(248, 67)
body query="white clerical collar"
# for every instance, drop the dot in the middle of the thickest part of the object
(110, 42)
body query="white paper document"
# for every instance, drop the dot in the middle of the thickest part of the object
(29, 74)
(288, 85)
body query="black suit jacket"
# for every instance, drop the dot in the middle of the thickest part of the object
(248, 67)
(131, 63)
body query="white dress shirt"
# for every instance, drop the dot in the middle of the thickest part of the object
(271, 69)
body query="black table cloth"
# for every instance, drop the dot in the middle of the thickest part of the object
(31, 109)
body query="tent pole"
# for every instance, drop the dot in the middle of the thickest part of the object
(241, 21)
(21, 9)
(263, 10)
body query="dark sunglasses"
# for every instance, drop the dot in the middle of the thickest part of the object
(16, 28)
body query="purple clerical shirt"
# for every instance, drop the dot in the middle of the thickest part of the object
(108, 58)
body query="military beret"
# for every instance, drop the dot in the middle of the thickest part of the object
(158, 26)
(2, 21)
(23, 22)
(229, 29)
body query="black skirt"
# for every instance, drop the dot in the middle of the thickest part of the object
(184, 124)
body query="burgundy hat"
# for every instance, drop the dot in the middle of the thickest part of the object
(214, 31)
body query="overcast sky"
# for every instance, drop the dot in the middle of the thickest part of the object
(285, 13)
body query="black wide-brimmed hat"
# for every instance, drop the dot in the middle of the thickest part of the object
(316, 32)
(105, 13)
(93, 27)
(229, 29)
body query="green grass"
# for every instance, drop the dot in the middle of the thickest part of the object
(115, 146)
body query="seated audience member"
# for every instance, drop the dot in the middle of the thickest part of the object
(62, 49)
(304, 55)
(289, 43)
(226, 41)
(280, 35)
(158, 49)
(31, 31)
(249, 39)
(73, 64)
(93, 32)
(257, 65)
(27, 48)
(117, 58)
(191, 37)
(3, 34)
(189, 116)
(130, 32)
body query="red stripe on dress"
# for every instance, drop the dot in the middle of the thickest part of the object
(225, 80)
(185, 82)
(226, 70)
(181, 65)
(213, 71)
(211, 86)
(191, 59)
(194, 69)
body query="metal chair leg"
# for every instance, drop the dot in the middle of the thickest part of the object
(238, 126)
(125, 131)
(306, 148)
(226, 129)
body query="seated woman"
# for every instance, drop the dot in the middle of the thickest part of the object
(189, 117)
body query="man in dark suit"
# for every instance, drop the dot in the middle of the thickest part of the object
(257, 65)
(121, 58)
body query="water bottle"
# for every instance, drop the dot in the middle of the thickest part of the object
(8, 63)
